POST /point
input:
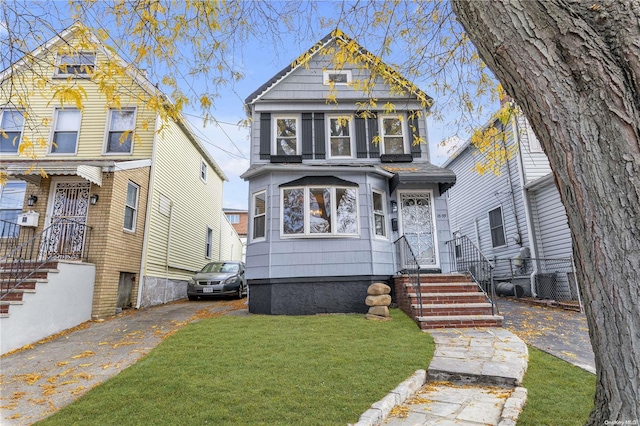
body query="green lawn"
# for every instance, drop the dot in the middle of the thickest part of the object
(270, 370)
(560, 394)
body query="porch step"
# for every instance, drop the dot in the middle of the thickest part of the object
(12, 274)
(12, 294)
(444, 278)
(454, 309)
(445, 287)
(442, 298)
(460, 321)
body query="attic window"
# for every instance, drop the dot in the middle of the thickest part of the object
(342, 77)
(77, 64)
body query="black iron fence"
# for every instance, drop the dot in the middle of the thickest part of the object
(466, 258)
(63, 239)
(407, 264)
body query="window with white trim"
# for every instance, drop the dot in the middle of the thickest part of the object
(340, 141)
(77, 64)
(203, 171)
(131, 206)
(286, 137)
(379, 214)
(66, 128)
(534, 143)
(11, 126)
(209, 243)
(259, 215)
(336, 77)
(496, 225)
(392, 135)
(11, 202)
(122, 123)
(319, 211)
(233, 218)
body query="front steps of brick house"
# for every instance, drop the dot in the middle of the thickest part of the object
(448, 301)
(14, 296)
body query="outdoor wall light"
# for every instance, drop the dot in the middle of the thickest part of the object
(394, 206)
(32, 200)
(94, 199)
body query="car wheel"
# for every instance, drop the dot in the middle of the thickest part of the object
(240, 291)
(192, 297)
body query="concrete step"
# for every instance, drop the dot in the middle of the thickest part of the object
(459, 321)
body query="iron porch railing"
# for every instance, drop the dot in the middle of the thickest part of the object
(408, 264)
(63, 239)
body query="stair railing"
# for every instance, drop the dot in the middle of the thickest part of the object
(465, 257)
(63, 239)
(407, 263)
(12, 236)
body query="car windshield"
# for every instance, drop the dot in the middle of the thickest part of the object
(221, 267)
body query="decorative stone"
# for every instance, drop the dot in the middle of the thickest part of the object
(381, 300)
(376, 317)
(381, 311)
(378, 288)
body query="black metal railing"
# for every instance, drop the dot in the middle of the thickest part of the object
(466, 258)
(63, 239)
(12, 236)
(407, 264)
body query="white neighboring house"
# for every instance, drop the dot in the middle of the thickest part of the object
(514, 215)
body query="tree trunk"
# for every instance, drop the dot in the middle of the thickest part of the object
(573, 67)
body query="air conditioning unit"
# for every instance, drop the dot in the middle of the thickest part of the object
(29, 219)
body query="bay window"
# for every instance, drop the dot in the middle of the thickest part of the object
(319, 211)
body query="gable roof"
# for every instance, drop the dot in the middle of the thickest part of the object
(133, 72)
(339, 37)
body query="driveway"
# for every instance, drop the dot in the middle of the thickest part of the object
(38, 381)
(562, 333)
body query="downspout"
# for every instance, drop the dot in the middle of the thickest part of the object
(527, 211)
(147, 220)
(166, 268)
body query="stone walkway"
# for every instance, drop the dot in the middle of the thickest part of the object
(473, 379)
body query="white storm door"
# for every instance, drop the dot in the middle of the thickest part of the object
(417, 224)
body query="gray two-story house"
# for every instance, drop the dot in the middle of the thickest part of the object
(339, 171)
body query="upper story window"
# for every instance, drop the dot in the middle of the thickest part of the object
(65, 131)
(120, 133)
(496, 224)
(203, 171)
(337, 77)
(131, 207)
(78, 64)
(11, 125)
(259, 215)
(319, 211)
(340, 144)
(208, 245)
(286, 138)
(233, 218)
(392, 135)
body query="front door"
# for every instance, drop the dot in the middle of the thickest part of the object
(417, 224)
(68, 209)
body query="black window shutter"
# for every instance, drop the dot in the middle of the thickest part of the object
(374, 148)
(318, 118)
(414, 133)
(361, 137)
(265, 136)
(307, 135)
